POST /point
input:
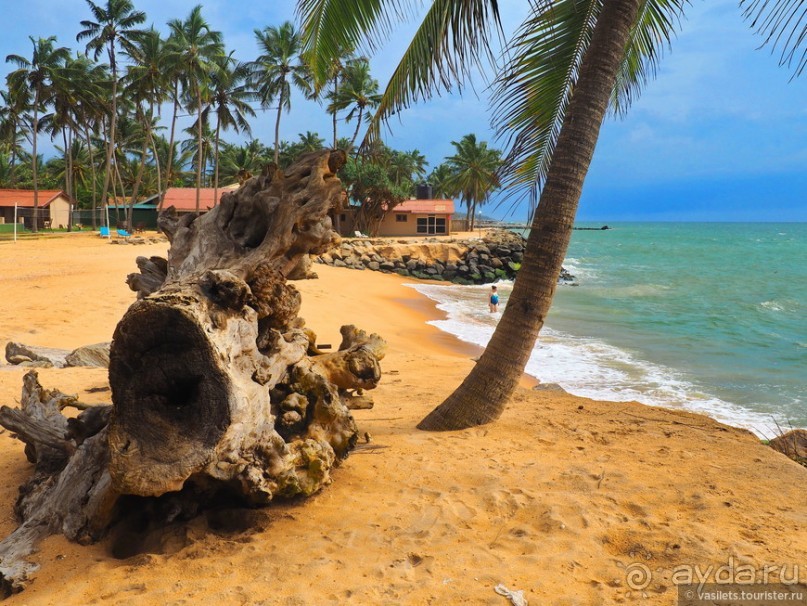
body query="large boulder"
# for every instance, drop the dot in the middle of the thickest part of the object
(792, 444)
(96, 355)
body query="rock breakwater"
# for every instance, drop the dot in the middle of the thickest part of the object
(496, 256)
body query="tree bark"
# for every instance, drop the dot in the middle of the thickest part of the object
(277, 121)
(216, 155)
(199, 157)
(170, 162)
(113, 120)
(217, 386)
(483, 395)
(34, 167)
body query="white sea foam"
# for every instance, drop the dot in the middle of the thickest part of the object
(780, 305)
(580, 270)
(585, 366)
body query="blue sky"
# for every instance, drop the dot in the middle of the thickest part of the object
(719, 135)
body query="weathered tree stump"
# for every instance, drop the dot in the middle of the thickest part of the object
(215, 380)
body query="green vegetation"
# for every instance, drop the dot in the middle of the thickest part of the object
(101, 105)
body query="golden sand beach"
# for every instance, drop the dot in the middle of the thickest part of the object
(570, 500)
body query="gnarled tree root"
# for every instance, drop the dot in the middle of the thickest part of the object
(215, 380)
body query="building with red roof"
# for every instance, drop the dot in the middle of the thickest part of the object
(416, 217)
(54, 207)
(183, 199)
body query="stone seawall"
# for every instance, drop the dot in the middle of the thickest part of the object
(497, 256)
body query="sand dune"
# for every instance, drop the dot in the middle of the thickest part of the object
(568, 499)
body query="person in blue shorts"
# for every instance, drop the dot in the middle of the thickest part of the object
(494, 300)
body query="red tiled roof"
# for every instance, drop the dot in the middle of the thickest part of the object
(184, 198)
(425, 206)
(25, 197)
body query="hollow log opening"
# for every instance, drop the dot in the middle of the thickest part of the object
(168, 387)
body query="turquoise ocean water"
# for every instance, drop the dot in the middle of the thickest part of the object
(711, 317)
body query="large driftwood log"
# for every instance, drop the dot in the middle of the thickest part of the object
(215, 380)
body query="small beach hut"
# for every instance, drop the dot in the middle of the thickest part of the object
(54, 207)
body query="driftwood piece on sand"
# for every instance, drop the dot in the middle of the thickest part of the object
(70, 491)
(216, 382)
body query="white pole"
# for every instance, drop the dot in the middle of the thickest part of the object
(15, 221)
(107, 215)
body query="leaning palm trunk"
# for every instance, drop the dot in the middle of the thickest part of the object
(484, 393)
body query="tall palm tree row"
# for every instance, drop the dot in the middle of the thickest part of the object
(570, 61)
(127, 72)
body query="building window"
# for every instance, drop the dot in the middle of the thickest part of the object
(422, 227)
(440, 226)
(400, 218)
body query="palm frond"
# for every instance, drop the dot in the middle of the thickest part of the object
(534, 91)
(330, 26)
(783, 23)
(453, 38)
(654, 29)
(447, 45)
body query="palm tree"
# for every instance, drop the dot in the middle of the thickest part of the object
(38, 75)
(195, 48)
(359, 92)
(409, 166)
(92, 114)
(174, 73)
(70, 82)
(146, 85)
(240, 162)
(568, 62)
(228, 96)
(173, 163)
(336, 69)
(198, 150)
(74, 166)
(441, 182)
(278, 67)
(114, 25)
(310, 142)
(12, 115)
(474, 173)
